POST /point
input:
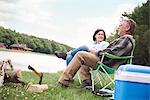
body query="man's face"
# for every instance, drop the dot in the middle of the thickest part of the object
(123, 28)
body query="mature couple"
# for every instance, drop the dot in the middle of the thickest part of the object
(84, 58)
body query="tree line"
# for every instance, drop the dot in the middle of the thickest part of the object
(141, 15)
(9, 37)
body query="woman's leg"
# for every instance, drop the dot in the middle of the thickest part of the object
(81, 48)
(68, 59)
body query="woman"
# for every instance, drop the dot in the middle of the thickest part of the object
(98, 44)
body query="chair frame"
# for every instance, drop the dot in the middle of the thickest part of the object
(101, 67)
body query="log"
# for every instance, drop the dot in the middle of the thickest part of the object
(37, 87)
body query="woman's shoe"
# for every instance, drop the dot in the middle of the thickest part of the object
(62, 55)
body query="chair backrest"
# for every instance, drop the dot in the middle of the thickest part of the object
(133, 44)
(111, 70)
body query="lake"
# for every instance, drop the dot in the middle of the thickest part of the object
(41, 62)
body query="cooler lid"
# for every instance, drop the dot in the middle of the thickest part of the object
(133, 73)
(135, 68)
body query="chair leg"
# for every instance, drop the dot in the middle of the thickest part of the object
(107, 85)
(79, 77)
(92, 81)
(101, 78)
(112, 81)
(106, 73)
(96, 79)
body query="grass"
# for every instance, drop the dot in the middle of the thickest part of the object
(53, 93)
(4, 49)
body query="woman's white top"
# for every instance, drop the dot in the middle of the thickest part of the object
(98, 46)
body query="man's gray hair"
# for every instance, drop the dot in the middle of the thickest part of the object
(132, 24)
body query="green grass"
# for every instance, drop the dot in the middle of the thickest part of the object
(53, 93)
(4, 49)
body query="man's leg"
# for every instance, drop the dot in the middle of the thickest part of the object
(81, 58)
(85, 73)
(85, 77)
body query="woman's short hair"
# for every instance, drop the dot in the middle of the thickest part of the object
(98, 30)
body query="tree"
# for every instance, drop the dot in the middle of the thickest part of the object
(142, 34)
(8, 37)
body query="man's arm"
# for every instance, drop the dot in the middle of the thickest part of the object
(119, 47)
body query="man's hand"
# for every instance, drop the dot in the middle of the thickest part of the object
(93, 51)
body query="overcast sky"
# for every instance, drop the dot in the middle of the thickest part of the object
(71, 22)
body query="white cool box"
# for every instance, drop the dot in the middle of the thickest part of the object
(132, 82)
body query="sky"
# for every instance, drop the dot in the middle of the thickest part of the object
(71, 22)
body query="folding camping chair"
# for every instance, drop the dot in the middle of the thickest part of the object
(99, 75)
(103, 71)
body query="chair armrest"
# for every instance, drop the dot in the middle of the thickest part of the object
(108, 55)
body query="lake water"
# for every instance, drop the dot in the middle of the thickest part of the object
(41, 62)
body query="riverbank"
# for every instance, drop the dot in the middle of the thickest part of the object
(53, 92)
(41, 62)
(10, 50)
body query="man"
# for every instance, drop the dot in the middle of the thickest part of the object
(86, 60)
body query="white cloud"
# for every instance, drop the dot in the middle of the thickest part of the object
(124, 8)
(5, 14)
(31, 16)
(27, 12)
(85, 27)
(80, 31)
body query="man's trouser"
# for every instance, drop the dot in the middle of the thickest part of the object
(82, 60)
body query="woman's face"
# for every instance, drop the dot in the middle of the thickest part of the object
(99, 36)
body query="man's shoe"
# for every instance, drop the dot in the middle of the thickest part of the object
(87, 84)
(62, 85)
(104, 93)
(62, 55)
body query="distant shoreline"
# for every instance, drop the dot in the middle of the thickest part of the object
(42, 62)
(29, 52)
